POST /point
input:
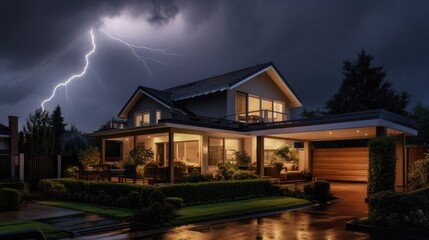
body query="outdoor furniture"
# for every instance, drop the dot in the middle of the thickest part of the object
(105, 173)
(130, 172)
(274, 173)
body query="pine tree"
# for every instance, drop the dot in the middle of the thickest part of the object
(58, 127)
(364, 88)
(38, 135)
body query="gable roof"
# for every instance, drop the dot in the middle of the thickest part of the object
(4, 130)
(231, 80)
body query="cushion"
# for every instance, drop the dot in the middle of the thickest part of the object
(289, 166)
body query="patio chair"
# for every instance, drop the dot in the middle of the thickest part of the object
(274, 173)
(130, 172)
(105, 173)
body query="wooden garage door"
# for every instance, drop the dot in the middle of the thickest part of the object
(343, 164)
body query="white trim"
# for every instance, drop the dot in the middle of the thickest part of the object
(133, 100)
(4, 136)
(250, 77)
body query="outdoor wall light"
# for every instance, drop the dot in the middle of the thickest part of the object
(205, 149)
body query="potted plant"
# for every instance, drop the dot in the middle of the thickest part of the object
(283, 152)
(278, 164)
(140, 155)
(243, 159)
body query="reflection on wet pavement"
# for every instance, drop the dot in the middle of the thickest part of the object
(320, 222)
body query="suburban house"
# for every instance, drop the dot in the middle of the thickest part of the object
(8, 146)
(203, 123)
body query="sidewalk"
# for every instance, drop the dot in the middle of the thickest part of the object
(34, 211)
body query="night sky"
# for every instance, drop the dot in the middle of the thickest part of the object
(44, 42)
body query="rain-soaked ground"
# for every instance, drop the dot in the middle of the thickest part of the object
(320, 222)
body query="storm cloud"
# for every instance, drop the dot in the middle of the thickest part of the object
(44, 42)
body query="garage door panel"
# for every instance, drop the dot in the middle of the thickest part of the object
(342, 164)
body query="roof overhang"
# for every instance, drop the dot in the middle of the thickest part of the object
(135, 98)
(279, 81)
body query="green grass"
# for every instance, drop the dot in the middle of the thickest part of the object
(208, 212)
(90, 208)
(21, 224)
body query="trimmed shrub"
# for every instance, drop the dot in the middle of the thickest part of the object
(196, 178)
(227, 170)
(320, 190)
(418, 177)
(175, 201)
(10, 199)
(243, 175)
(382, 165)
(158, 212)
(399, 210)
(134, 200)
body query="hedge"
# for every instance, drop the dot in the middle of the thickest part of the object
(15, 185)
(399, 210)
(382, 164)
(191, 193)
(10, 199)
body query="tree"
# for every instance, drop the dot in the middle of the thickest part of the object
(364, 88)
(420, 114)
(38, 137)
(58, 127)
(72, 143)
(311, 113)
(89, 157)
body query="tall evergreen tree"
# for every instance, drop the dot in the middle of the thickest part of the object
(58, 127)
(364, 88)
(37, 133)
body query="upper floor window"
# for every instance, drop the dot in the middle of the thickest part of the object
(158, 115)
(253, 109)
(142, 119)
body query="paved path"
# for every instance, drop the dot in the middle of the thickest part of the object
(35, 211)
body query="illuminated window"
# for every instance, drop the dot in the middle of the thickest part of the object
(142, 119)
(158, 115)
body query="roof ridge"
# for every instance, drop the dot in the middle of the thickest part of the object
(216, 76)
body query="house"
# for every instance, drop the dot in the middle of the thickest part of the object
(8, 147)
(203, 123)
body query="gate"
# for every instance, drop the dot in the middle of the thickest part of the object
(38, 167)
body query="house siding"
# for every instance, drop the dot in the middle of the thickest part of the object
(146, 104)
(261, 85)
(211, 105)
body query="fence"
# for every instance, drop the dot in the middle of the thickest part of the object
(38, 167)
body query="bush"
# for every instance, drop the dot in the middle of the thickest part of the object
(382, 165)
(134, 200)
(243, 175)
(321, 190)
(16, 184)
(243, 159)
(175, 201)
(90, 156)
(10, 199)
(207, 192)
(196, 178)
(158, 212)
(418, 177)
(318, 191)
(227, 170)
(399, 210)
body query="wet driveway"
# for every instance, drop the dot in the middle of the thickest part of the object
(320, 222)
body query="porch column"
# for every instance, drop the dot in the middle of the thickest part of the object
(170, 174)
(307, 155)
(381, 132)
(401, 167)
(103, 150)
(260, 155)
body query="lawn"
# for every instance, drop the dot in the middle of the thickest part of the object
(21, 224)
(90, 208)
(207, 212)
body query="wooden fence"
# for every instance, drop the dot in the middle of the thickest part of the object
(38, 167)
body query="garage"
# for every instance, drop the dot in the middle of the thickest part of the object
(340, 164)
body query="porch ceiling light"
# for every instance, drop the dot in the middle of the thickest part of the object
(330, 132)
(358, 130)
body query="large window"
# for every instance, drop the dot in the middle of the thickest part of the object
(251, 109)
(142, 119)
(216, 154)
(223, 150)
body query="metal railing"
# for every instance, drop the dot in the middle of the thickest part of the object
(259, 116)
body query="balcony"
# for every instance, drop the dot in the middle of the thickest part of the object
(259, 116)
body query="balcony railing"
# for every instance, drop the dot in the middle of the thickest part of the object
(259, 116)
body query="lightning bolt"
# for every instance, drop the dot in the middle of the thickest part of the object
(65, 83)
(141, 58)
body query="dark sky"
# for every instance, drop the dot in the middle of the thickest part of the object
(44, 42)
